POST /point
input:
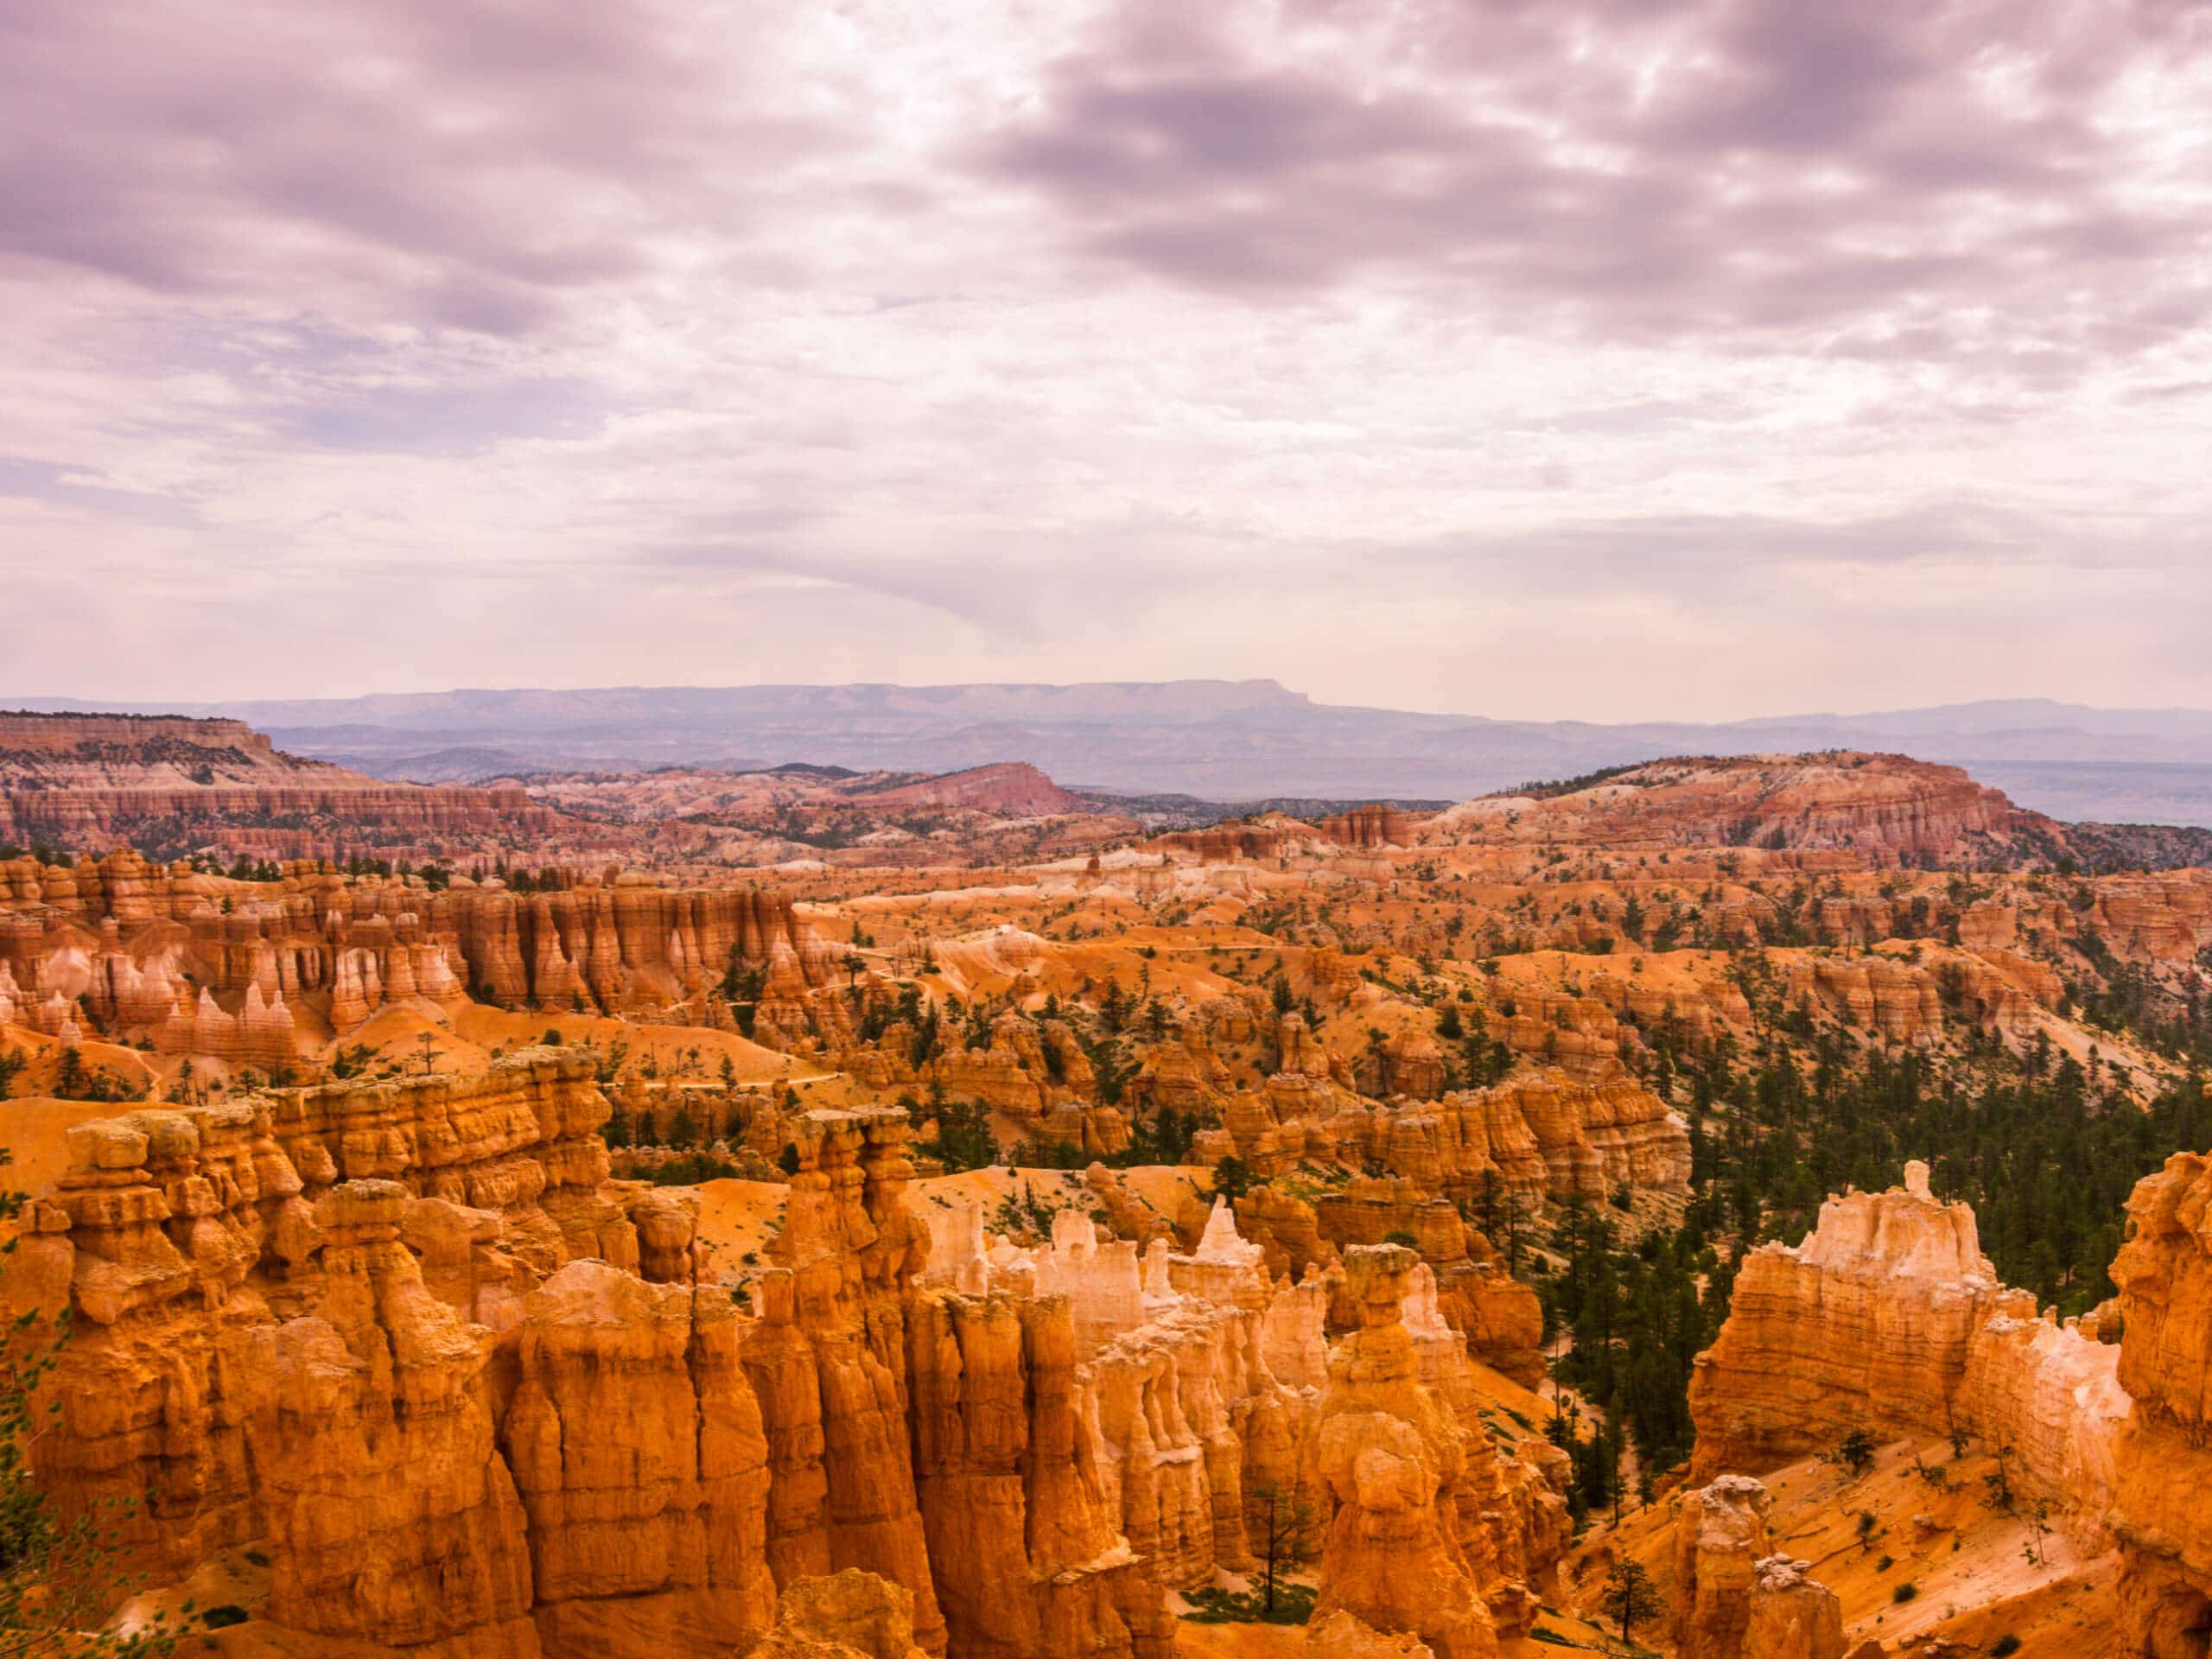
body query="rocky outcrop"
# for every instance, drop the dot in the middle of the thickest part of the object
(1578, 1034)
(638, 1452)
(1499, 1315)
(848, 1615)
(1342, 1636)
(1011, 787)
(390, 1514)
(1885, 808)
(1793, 1615)
(1391, 1465)
(2163, 1460)
(2166, 918)
(1266, 839)
(1889, 1320)
(1187, 1425)
(1540, 1135)
(1367, 828)
(1735, 1599)
(1036, 1072)
(1721, 1535)
(79, 780)
(473, 1400)
(398, 1332)
(199, 964)
(1023, 1534)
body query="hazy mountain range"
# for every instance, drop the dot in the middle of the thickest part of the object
(1216, 738)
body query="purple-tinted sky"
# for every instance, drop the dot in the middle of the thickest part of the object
(1598, 358)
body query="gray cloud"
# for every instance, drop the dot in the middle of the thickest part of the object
(1802, 169)
(1518, 355)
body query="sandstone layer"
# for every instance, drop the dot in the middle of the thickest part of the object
(79, 780)
(1888, 1319)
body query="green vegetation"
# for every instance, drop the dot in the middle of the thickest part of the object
(1630, 1597)
(1293, 1604)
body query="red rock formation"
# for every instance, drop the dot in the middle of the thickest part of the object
(1391, 1463)
(1794, 1616)
(392, 1329)
(201, 965)
(1884, 808)
(1499, 1315)
(472, 1399)
(1006, 786)
(1889, 1320)
(2166, 918)
(1264, 840)
(78, 780)
(1735, 1599)
(1038, 1073)
(1368, 828)
(1577, 1033)
(2164, 1454)
(390, 1514)
(848, 1615)
(636, 1449)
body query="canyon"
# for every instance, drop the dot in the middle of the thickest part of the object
(1027, 1234)
(471, 1396)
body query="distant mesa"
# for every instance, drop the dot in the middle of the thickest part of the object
(1245, 740)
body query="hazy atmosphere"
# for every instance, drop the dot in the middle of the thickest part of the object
(1105, 829)
(1693, 360)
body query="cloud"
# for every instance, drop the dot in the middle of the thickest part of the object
(467, 164)
(45, 481)
(1529, 356)
(1730, 169)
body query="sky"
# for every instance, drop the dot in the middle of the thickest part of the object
(1540, 359)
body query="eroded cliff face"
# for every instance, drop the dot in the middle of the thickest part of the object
(1426, 1531)
(1889, 1320)
(80, 779)
(398, 1333)
(1543, 1134)
(1736, 1599)
(471, 1398)
(2164, 1460)
(199, 964)
(1885, 808)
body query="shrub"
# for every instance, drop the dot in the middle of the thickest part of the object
(2004, 1644)
(1213, 1606)
(1905, 1591)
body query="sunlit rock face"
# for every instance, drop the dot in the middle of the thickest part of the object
(473, 1397)
(1889, 1320)
(2165, 1456)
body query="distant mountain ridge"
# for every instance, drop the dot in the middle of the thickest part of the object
(1216, 738)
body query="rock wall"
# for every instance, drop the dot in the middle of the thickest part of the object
(78, 780)
(2163, 1461)
(471, 1398)
(1888, 1318)
(199, 964)
(1539, 1135)
(398, 1333)
(1390, 1464)
(1885, 808)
